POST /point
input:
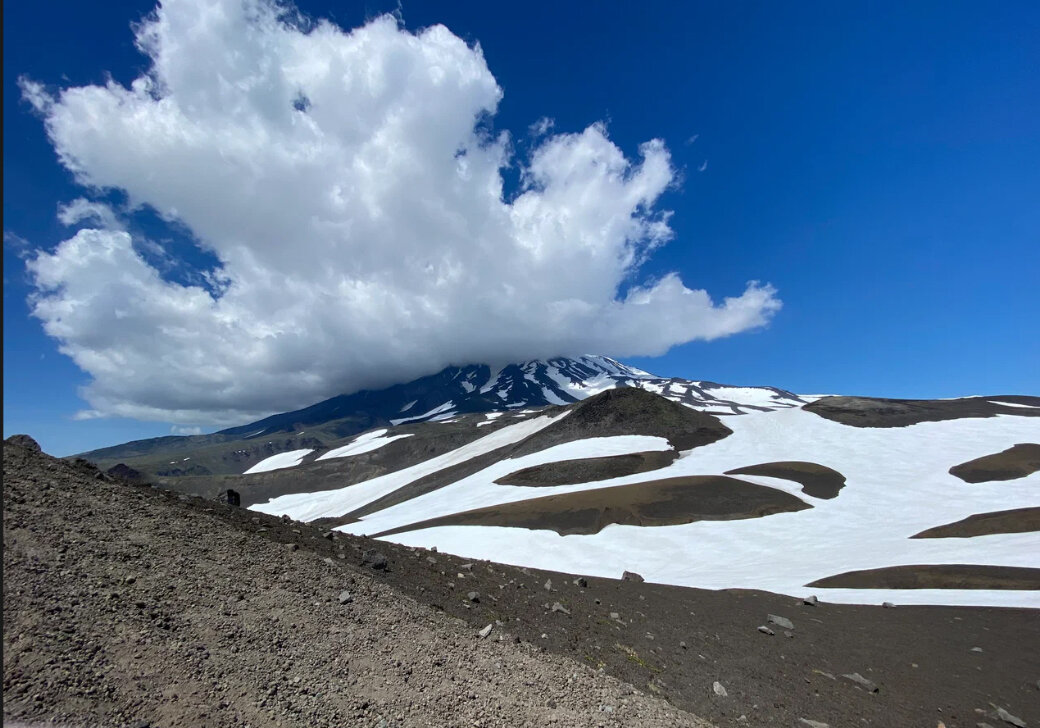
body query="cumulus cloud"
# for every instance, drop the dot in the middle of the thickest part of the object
(349, 187)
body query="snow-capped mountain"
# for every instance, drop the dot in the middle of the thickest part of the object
(479, 388)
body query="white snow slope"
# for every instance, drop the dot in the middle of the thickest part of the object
(331, 503)
(367, 442)
(288, 459)
(898, 484)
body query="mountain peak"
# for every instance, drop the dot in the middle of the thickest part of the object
(476, 388)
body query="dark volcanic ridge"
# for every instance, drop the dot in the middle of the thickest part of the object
(1018, 520)
(816, 480)
(1016, 462)
(174, 611)
(667, 502)
(588, 470)
(875, 412)
(936, 576)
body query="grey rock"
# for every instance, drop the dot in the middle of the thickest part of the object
(887, 605)
(345, 597)
(976, 649)
(486, 631)
(1008, 718)
(466, 567)
(329, 535)
(858, 679)
(780, 621)
(788, 634)
(374, 560)
(473, 596)
(328, 560)
(718, 689)
(547, 585)
(616, 616)
(557, 607)
(580, 582)
(810, 601)
(292, 546)
(682, 645)
(765, 630)
(631, 576)
(812, 723)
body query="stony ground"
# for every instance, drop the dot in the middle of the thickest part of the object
(236, 606)
(127, 606)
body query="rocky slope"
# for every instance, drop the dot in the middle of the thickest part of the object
(127, 606)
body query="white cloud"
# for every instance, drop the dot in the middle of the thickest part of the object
(84, 210)
(347, 186)
(185, 430)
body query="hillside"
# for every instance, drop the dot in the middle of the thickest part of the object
(174, 611)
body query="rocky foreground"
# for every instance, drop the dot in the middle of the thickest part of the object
(127, 606)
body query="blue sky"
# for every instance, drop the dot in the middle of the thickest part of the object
(879, 166)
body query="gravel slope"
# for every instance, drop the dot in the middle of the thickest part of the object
(128, 606)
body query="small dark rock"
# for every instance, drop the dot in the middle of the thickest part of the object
(631, 576)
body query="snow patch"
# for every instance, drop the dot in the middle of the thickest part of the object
(277, 462)
(361, 444)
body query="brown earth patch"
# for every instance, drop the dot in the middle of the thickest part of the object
(589, 470)
(942, 576)
(816, 480)
(1019, 520)
(876, 412)
(667, 502)
(1017, 461)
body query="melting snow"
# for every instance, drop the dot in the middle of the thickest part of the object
(282, 460)
(331, 503)
(361, 444)
(898, 485)
(436, 410)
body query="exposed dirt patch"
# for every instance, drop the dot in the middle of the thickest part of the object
(588, 470)
(1019, 520)
(874, 412)
(666, 502)
(816, 480)
(1017, 461)
(943, 576)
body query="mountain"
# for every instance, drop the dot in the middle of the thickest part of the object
(440, 397)
(479, 388)
(588, 466)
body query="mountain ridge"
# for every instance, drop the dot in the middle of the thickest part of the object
(472, 389)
